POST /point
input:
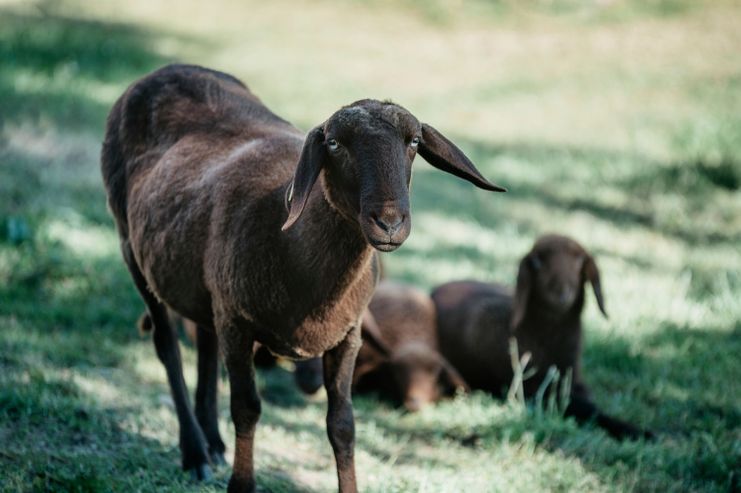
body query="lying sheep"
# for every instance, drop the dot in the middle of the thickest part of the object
(399, 357)
(238, 221)
(476, 321)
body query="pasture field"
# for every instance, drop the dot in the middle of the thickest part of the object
(616, 122)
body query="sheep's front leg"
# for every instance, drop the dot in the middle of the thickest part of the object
(338, 369)
(236, 348)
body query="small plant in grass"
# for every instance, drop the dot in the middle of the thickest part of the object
(552, 396)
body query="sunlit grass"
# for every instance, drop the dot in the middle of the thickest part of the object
(614, 122)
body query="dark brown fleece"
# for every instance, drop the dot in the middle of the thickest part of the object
(476, 321)
(199, 174)
(399, 357)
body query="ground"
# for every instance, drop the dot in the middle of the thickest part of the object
(615, 122)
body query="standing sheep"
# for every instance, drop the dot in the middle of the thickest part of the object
(219, 219)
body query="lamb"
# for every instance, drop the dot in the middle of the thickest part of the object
(219, 219)
(476, 320)
(399, 357)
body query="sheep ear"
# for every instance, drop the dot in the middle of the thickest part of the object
(443, 154)
(522, 290)
(310, 163)
(452, 378)
(591, 274)
(371, 333)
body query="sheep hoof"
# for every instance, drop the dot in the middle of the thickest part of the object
(201, 472)
(217, 459)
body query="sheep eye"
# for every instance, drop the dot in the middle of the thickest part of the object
(333, 144)
(415, 142)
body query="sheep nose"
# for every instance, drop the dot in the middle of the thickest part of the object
(390, 223)
(566, 296)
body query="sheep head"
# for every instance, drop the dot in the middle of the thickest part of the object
(365, 151)
(423, 376)
(554, 273)
(414, 374)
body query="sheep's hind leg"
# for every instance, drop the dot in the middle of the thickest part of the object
(583, 410)
(207, 392)
(339, 363)
(236, 348)
(192, 441)
(308, 375)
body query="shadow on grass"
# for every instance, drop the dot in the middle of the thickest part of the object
(56, 437)
(570, 179)
(669, 386)
(681, 385)
(72, 310)
(684, 379)
(277, 386)
(61, 309)
(50, 63)
(544, 180)
(681, 377)
(52, 71)
(59, 438)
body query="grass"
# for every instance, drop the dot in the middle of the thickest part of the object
(614, 122)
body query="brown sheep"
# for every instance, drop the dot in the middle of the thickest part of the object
(399, 357)
(476, 321)
(219, 218)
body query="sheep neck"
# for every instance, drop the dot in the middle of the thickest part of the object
(543, 323)
(554, 339)
(328, 253)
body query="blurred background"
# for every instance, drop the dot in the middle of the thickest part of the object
(617, 122)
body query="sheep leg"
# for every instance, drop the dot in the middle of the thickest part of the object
(339, 363)
(263, 358)
(583, 410)
(308, 375)
(192, 441)
(236, 348)
(207, 391)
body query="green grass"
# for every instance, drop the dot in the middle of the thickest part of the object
(615, 122)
